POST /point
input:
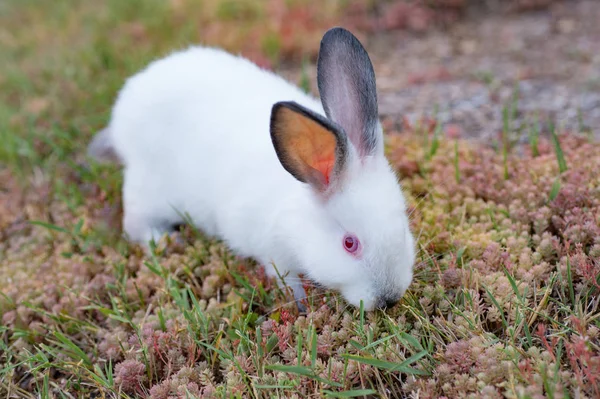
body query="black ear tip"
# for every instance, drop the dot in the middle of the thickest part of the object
(340, 40)
(274, 118)
(278, 106)
(338, 30)
(291, 105)
(338, 33)
(275, 109)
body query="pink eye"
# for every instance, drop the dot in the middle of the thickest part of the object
(351, 243)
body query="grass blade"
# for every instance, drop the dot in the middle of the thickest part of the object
(303, 371)
(456, 164)
(560, 156)
(390, 366)
(349, 394)
(75, 351)
(554, 190)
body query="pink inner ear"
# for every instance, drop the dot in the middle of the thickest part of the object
(325, 166)
(346, 111)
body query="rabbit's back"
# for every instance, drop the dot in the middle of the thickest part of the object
(192, 130)
(202, 96)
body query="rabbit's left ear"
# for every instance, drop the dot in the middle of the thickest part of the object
(310, 147)
(346, 83)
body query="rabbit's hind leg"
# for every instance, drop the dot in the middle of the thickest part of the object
(144, 228)
(145, 217)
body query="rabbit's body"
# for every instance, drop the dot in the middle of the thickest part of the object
(196, 107)
(192, 133)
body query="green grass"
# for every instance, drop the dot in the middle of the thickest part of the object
(504, 300)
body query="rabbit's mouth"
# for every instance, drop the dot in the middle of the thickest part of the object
(387, 302)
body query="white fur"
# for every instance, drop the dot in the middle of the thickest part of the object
(192, 131)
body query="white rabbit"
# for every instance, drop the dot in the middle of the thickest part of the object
(315, 197)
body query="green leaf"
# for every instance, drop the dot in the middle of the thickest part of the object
(304, 78)
(534, 134)
(560, 156)
(299, 370)
(273, 387)
(554, 190)
(313, 348)
(460, 253)
(380, 341)
(570, 281)
(272, 342)
(356, 344)
(404, 336)
(50, 226)
(456, 163)
(304, 371)
(505, 140)
(349, 394)
(154, 267)
(435, 142)
(401, 367)
(77, 354)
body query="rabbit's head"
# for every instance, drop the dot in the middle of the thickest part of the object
(361, 244)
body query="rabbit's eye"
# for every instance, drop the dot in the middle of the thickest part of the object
(351, 243)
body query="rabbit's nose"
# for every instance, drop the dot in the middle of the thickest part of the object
(387, 302)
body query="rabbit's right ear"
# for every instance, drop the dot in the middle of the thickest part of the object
(348, 91)
(310, 147)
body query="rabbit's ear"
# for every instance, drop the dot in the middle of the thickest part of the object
(310, 147)
(346, 83)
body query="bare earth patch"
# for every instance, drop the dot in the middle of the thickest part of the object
(469, 71)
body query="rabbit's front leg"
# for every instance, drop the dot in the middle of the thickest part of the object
(295, 284)
(289, 279)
